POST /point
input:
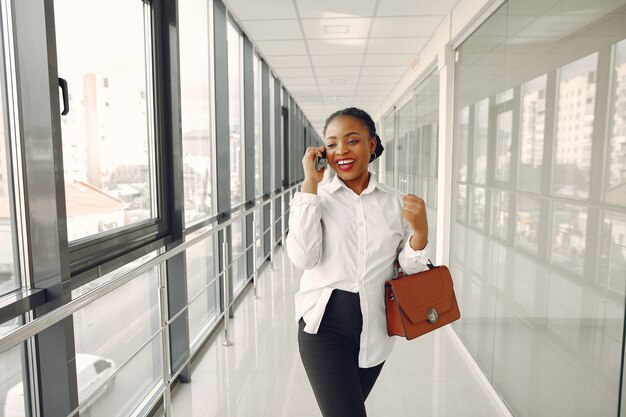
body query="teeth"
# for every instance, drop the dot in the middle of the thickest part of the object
(345, 162)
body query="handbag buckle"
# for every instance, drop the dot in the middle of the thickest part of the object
(432, 316)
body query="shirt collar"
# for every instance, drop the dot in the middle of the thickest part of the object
(337, 183)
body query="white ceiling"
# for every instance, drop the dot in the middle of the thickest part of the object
(332, 54)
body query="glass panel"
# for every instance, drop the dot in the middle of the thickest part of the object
(238, 274)
(500, 214)
(204, 301)
(258, 127)
(613, 253)
(196, 109)
(532, 134)
(12, 398)
(616, 190)
(258, 237)
(568, 236)
(576, 97)
(462, 154)
(407, 119)
(479, 75)
(272, 133)
(527, 227)
(481, 126)
(559, 292)
(107, 337)
(389, 143)
(423, 155)
(235, 114)
(9, 278)
(478, 208)
(104, 188)
(504, 130)
(461, 203)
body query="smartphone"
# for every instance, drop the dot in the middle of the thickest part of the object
(321, 162)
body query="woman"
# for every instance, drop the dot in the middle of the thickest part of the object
(346, 235)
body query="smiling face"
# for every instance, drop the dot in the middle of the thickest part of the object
(348, 147)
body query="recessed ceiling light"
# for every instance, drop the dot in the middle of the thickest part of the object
(336, 29)
(337, 80)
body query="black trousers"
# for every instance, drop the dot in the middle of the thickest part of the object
(330, 358)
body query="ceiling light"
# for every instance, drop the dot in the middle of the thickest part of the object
(337, 80)
(336, 29)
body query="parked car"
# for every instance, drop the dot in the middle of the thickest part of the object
(92, 371)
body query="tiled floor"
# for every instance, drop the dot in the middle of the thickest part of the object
(261, 373)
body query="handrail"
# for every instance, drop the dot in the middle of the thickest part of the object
(32, 328)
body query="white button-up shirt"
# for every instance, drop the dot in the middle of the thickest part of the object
(350, 242)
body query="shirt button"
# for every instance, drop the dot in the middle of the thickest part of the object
(360, 224)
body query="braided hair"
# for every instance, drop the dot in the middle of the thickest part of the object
(366, 120)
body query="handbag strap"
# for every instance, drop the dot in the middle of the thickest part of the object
(400, 273)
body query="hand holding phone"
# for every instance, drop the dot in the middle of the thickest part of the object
(321, 162)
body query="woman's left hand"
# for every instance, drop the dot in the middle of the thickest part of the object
(414, 211)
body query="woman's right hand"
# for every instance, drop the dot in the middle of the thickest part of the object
(308, 163)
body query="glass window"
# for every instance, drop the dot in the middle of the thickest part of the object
(196, 109)
(463, 134)
(532, 133)
(258, 127)
(389, 143)
(235, 114)
(106, 338)
(504, 130)
(481, 128)
(568, 236)
(477, 208)
(461, 203)
(613, 256)
(9, 278)
(406, 143)
(109, 110)
(202, 288)
(272, 133)
(616, 173)
(575, 111)
(569, 230)
(500, 213)
(238, 270)
(527, 228)
(13, 396)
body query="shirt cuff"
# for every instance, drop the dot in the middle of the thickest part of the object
(419, 255)
(300, 198)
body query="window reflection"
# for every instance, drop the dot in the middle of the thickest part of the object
(389, 143)
(616, 189)
(196, 112)
(547, 146)
(481, 127)
(463, 134)
(576, 98)
(532, 134)
(504, 131)
(613, 252)
(568, 236)
(477, 208)
(527, 223)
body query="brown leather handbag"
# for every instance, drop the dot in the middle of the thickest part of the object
(419, 303)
